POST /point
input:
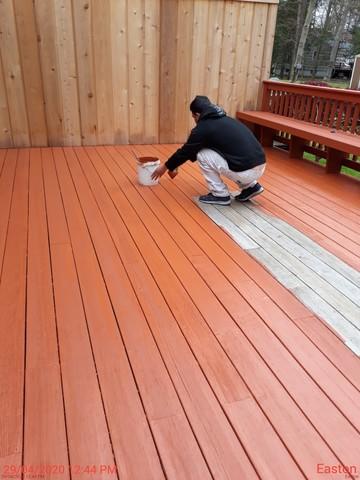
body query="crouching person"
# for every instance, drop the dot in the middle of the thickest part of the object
(224, 147)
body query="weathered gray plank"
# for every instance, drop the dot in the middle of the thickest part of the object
(326, 291)
(240, 237)
(328, 273)
(320, 280)
(312, 247)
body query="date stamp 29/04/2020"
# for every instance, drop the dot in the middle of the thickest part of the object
(12, 471)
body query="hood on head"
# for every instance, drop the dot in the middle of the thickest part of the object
(213, 111)
(199, 104)
(205, 108)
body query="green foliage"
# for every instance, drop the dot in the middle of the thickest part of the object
(322, 161)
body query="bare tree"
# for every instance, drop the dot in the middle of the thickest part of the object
(299, 57)
(324, 33)
(309, 32)
(301, 10)
(345, 7)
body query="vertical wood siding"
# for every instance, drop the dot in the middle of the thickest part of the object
(91, 72)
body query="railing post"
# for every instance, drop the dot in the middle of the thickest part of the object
(297, 146)
(334, 160)
(267, 136)
(265, 98)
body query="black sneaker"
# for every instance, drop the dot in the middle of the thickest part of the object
(210, 198)
(249, 193)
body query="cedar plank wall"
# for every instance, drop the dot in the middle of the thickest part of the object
(92, 72)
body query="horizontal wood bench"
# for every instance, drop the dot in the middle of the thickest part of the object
(322, 121)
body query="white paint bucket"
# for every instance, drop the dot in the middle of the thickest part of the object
(145, 168)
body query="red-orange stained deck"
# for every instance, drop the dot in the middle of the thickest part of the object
(134, 332)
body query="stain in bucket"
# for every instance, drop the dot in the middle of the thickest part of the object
(147, 159)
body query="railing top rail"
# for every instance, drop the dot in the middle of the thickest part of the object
(324, 92)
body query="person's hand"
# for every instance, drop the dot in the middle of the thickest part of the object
(159, 172)
(172, 173)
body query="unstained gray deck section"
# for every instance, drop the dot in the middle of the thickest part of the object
(324, 283)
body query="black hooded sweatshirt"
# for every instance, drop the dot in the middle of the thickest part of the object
(227, 136)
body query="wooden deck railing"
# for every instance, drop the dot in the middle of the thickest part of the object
(330, 107)
(333, 108)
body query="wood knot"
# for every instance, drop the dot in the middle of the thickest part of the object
(86, 6)
(90, 95)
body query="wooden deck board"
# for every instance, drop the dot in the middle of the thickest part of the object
(181, 244)
(337, 308)
(43, 383)
(215, 318)
(337, 212)
(2, 159)
(284, 300)
(299, 212)
(330, 286)
(116, 382)
(75, 349)
(235, 309)
(12, 315)
(157, 394)
(159, 340)
(221, 374)
(6, 191)
(335, 302)
(223, 451)
(337, 222)
(273, 202)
